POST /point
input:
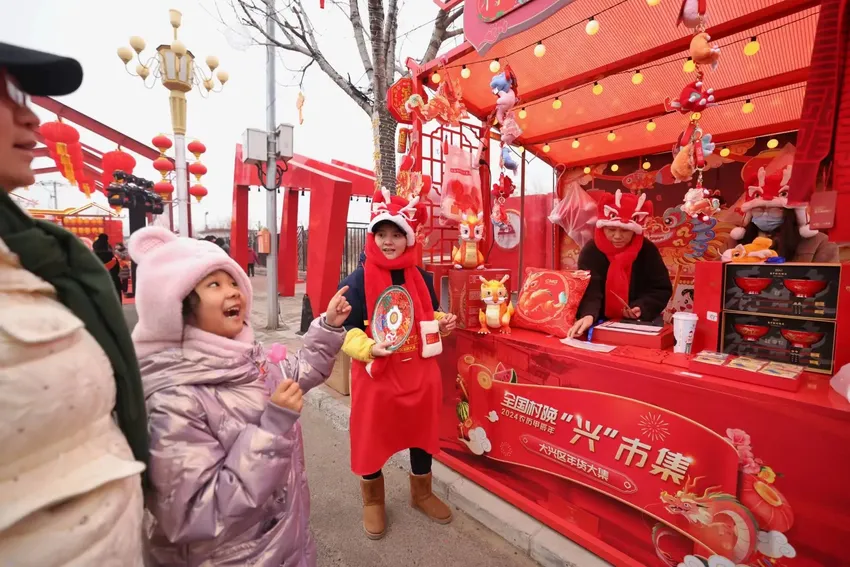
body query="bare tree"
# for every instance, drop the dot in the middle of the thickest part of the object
(376, 45)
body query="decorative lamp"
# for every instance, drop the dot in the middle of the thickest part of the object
(164, 189)
(752, 47)
(612, 136)
(197, 148)
(615, 167)
(162, 143)
(587, 169)
(772, 143)
(522, 113)
(651, 125)
(576, 143)
(546, 148)
(465, 72)
(197, 169)
(725, 152)
(592, 26)
(689, 66)
(494, 66)
(539, 49)
(748, 107)
(637, 78)
(435, 78)
(198, 191)
(646, 165)
(597, 88)
(556, 104)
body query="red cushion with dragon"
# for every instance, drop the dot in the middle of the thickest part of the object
(549, 300)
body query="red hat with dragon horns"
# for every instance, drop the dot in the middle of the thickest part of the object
(766, 180)
(407, 215)
(624, 211)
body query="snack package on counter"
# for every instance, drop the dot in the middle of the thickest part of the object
(461, 187)
(576, 214)
(841, 381)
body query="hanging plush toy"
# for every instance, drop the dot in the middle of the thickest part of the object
(504, 86)
(692, 13)
(299, 104)
(682, 167)
(703, 53)
(693, 98)
(445, 106)
(500, 193)
(699, 203)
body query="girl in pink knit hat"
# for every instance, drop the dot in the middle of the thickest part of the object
(227, 461)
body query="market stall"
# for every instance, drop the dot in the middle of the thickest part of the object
(732, 454)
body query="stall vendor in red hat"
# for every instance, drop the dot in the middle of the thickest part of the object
(628, 278)
(396, 390)
(767, 213)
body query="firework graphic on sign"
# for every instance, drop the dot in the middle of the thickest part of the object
(654, 426)
(506, 449)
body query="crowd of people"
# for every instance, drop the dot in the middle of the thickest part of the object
(181, 444)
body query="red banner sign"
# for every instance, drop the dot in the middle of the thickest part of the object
(645, 456)
(489, 21)
(397, 96)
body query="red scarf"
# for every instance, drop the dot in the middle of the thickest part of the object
(377, 278)
(619, 271)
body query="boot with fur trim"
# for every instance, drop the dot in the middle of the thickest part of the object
(374, 510)
(423, 499)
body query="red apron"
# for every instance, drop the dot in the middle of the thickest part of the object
(396, 410)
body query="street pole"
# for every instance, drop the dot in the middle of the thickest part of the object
(55, 197)
(271, 173)
(182, 185)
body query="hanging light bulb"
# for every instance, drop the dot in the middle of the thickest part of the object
(597, 88)
(587, 169)
(539, 49)
(435, 78)
(465, 72)
(612, 136)
(546, 148)
(615, 167)
(494, 66)
(592, 26)
(646, 165)
(637, 78)
(651, 125)
(725, 152)
(772, 143)
(748, 107)
(576, 143)
(752, 47)
(556, 104)
(653, 2)
(689, 66)
(522, 113)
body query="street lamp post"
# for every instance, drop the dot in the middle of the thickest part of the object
(175, 66)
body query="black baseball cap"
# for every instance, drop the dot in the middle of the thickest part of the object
(39, 73)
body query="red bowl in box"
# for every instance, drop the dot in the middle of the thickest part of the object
(753, 286)
(801, 339)
(805, 288)
(752, 333)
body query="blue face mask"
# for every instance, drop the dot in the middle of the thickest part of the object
(767, 223)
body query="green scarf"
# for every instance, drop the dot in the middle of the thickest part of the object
(84, 286)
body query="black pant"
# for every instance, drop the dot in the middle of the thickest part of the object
(251, 270)
(420, 463)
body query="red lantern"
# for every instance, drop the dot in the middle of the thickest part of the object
(59, 132)
(198, 191)
(197, 148)
(197, 169)
(767, 504)
(163, 188)
(163, 165)
(161, 142)
(113, 161)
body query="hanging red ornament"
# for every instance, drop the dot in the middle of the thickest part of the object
(163, 188)
(59, 132)
(163, 165)
(197, 148)
(197, 169)
(198, 191)
(161, 142)
(113, 161)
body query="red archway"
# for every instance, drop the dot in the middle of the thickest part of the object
(333, 185)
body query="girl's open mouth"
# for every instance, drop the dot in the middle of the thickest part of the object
(232, 313)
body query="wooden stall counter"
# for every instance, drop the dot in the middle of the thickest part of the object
(643, 461)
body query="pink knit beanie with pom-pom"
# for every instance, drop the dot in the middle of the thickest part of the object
(169, 268)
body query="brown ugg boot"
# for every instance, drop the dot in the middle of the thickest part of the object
(374, 512)
(423, 499)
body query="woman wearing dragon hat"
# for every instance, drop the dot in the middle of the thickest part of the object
(628, 278)
(768, 214)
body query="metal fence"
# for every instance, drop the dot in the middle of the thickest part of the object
(355, 242)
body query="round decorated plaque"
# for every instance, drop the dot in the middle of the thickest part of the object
(392, 317)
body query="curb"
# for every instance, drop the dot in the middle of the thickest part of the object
(535, 540)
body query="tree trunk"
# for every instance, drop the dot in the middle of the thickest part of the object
(384, 130)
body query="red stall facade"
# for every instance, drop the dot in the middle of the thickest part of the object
(639, 454)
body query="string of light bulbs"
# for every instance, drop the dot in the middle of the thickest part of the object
(751, 48)
(747, 107)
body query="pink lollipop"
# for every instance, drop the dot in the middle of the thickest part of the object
(276, 355)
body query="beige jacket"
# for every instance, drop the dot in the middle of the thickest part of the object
(815, 250)
(69, 486)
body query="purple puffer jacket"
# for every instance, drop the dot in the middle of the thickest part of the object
(227, 465)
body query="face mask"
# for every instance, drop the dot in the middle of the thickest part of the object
(767, 223)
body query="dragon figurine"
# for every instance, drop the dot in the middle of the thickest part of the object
(466, 254)
(498, 308)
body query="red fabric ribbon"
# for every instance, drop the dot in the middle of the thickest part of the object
(619, 271)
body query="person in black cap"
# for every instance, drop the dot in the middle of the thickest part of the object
(68, 366)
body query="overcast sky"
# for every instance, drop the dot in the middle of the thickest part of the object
(91, 31)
